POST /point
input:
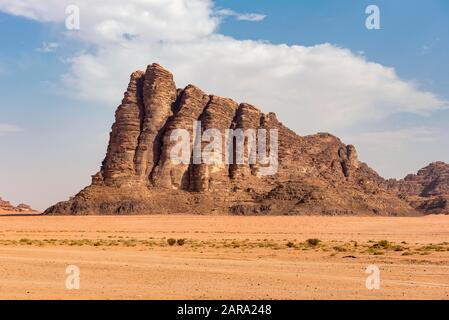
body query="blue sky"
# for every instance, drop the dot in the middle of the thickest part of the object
(413, 37)
(57, 107)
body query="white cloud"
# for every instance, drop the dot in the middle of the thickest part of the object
(48, 47)
(315, 88)
(108, 20)
(318, 88)
(394, 153)
(8, 128)
(397, 139)
(252, 17)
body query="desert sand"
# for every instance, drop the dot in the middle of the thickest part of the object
(224, 257)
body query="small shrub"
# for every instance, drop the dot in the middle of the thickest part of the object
(373, 251)
(171, 242)
(384, 244)
(313, 242)
(432, 247)
(25, 241)
(130, 243)
(340, 249)
(290, 244)
(181, 242)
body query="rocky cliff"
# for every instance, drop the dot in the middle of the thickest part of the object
(427, 191)
(317, 174)
(7, 207)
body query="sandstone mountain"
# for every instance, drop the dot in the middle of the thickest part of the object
(7, 207)
(318, 174)
(427, 191)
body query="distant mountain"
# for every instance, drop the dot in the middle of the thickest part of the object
(427, 191)
(7, 207)
(317, 174)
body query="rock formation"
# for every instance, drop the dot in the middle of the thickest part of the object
(7, 207)
(317, 174)
(427, 191)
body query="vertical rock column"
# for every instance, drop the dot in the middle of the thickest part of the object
(159, 95)
(247, 118)
(118, 167)
(166, 174)
(219, 115)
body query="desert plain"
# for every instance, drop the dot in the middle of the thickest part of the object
(224, 257)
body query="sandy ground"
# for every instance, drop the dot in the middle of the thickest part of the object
(224, 257)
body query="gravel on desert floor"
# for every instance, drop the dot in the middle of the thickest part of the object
(224, 257)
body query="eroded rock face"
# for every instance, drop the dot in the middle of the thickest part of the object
(7, 207)
(317, 174)
(427, 191)
(191, 104)
(120, 166)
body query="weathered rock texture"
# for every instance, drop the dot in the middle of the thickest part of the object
(427, 191)
(7, 207)
(317, 174)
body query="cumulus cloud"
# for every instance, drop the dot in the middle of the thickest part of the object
(317, 88)
(106, 21)
(312, 88)
(8, 128)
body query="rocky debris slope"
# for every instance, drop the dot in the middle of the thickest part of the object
(427, 191)
(7, 207)
(317, 174)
